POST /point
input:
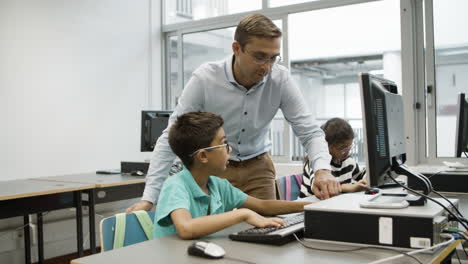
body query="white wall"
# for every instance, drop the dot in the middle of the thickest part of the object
(74, 76)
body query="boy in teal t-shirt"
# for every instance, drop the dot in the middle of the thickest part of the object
(193, 203)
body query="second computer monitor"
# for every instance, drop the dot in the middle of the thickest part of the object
(461, 137)
(153, 124)
(383, 120)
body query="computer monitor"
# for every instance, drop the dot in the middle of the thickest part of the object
(153, 124)
(384, 136)
(461, 138)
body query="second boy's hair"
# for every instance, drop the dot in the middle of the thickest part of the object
(337, 131)
(255, 25)
(191, 132)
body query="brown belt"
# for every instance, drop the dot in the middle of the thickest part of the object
(235, 163)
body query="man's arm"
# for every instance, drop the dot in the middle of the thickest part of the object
(273, 207)
(191, 228)
(312, 139)
(191, 100)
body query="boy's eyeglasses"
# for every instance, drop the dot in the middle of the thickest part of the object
(211, 148)
(262, 60)
(345, 149)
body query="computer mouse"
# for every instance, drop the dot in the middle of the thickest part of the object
(372, 191)
(206, 249)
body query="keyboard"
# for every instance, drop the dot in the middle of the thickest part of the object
(273, 235)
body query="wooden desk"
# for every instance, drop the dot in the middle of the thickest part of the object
(31, 196)
(107, 188)
(173, 250)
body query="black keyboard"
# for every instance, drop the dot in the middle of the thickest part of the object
(273, 235)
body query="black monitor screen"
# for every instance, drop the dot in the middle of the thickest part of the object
(383, 126)
(461, 139)
(153, 124)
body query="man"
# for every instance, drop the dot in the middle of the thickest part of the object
(247, 89)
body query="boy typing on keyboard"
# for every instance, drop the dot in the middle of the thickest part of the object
(195, 203)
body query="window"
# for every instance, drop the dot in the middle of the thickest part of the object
(188, 10)
(451, 69)
(326, 49)
(326, 60)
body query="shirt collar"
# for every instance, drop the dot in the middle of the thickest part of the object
(192, 184)
(229, 69)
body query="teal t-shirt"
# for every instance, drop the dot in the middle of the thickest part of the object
(181, 191)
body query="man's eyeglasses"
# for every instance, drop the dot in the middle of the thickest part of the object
(262, 60)
(228, 148)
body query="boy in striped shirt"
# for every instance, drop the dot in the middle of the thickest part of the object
(339, 136)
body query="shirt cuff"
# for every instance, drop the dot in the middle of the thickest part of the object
(321, 164)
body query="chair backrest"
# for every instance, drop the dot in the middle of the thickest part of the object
(289, 187)
(125, 229)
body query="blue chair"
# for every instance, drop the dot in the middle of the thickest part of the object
(123, 229)
(289, 187)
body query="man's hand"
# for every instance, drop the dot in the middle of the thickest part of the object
(141, 205)
(325, 185)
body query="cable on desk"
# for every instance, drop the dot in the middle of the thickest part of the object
(458, 257)
(355, 249)
(414, 251)
(455, 208)
(432, 199)
(436, 174)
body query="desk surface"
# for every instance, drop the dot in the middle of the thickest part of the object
(100, 180)
(33, 187)
(174, 250)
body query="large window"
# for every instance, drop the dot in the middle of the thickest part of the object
(326, 60)
(188, 10)
(325, 49)
(451, 69)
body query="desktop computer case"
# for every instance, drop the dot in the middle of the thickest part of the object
(341, 220)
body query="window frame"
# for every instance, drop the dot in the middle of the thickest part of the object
(412, 59)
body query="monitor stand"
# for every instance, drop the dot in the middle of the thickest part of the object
(400, 198)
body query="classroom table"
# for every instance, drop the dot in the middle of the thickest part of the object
(173, 250)
(32, 196)
(107, 188)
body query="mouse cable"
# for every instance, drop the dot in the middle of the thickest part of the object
(239, 260)
(356, 249)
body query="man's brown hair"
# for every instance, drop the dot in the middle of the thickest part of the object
(255, 25)
(191, 132)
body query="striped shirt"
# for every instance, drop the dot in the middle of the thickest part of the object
(346, 172)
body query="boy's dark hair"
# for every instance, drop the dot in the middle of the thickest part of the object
(255, 25)
(191, 132)
(337, 131)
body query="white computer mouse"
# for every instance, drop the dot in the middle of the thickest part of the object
(206, 249)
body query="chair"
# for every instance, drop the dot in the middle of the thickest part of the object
(289, 187)
(123, 229)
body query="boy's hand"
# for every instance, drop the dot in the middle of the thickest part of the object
(325, 185)
(259, 221)
(359, 186)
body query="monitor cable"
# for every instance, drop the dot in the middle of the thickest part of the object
(355, 249)
(430, 198)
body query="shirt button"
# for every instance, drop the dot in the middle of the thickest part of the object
(238, 142)
(245, 113)
(238, 155)
(243, 130)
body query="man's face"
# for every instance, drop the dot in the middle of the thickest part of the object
(256, 58)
